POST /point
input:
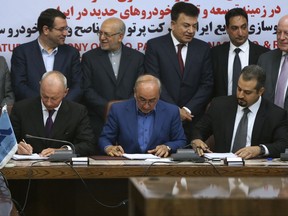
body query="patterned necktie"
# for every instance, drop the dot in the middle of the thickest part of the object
(180, 59)
(281, 84)
(236, 71)
(49, 123)
(241, 133)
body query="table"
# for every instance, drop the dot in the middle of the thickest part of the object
(56, 188)
(231, 196)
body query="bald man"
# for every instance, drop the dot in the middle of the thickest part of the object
(143, 124)
(109, 71)
(67, 120)
(272, 62)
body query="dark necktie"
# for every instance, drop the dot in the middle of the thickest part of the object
(180, 59)
(281, 84)
(241, 133)
(49, 123)
(236, 71)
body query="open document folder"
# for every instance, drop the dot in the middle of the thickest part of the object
(140, 156)
(28, 157)
(212, 156)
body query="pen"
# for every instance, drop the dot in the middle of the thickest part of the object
(24, 141)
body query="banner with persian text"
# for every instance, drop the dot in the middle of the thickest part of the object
(144, 19)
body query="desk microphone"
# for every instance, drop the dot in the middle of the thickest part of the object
(59, 155)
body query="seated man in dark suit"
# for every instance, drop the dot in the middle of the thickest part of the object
(49, 52)
(52, 117)
(143, 124)
(247, 125)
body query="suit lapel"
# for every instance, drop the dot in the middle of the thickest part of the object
(158, 122)
(60, 119)
(259, 121)
(224, 62)
(106, 64)
(231, 115)
(38, 60)
(170, 52)
(124, 63)
(130, 116)
(37, 118)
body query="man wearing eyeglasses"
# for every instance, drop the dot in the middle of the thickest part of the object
(47, 53)
(109, 71)
(143, 124)
(275, 65)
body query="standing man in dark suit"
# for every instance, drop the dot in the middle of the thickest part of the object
(49, 52)
(183, 65)
(143, 124)
(52, 117)
(6, 92)
(266, 130)
(109, 71)
(223, 55)
(273, 64)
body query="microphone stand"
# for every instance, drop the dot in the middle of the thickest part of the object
(59, 155)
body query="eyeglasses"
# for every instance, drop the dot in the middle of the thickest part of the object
(143, 101)
(62, 29)
(106, 35)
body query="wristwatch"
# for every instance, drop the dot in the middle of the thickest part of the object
(262, 150)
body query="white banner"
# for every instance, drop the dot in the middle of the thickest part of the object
(144, 19)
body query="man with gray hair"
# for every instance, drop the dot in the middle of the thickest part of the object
(143, 124)
(109, 71)
(52, 117)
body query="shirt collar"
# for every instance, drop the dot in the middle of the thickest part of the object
(254, 107)
(244, 47)
(45, 109)
(175, 41)
(43, 50)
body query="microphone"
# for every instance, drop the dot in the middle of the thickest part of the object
(184, 154)
(59, 155)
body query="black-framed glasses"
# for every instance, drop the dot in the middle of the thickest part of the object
(106, 35)
(62, 29)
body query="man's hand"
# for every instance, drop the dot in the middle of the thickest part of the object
(185, 115)
(114, 150)
(200, 147)
(248, 152)
(24, 148)
(160, 151)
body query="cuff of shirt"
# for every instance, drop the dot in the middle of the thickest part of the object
(187, 110)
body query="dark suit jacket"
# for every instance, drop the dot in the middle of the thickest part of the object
(100, 84)
(71, 124)
(270, 62)
(6, 92)
(270, 126)
(220, 56)
(27, 68)
(195, 88)
(122, 127)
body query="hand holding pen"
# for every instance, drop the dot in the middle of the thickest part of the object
(200, 147)
(24, 148)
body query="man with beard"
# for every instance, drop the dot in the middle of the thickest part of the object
(47, 53)
(260, 124)
(224, 56)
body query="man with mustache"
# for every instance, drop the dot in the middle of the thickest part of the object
(183, 65)
(223, 56)
(266, 131)
(47, 53)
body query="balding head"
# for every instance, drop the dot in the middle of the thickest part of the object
(111, 34)
(147, 92)
(53, 88)
(282, 33)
